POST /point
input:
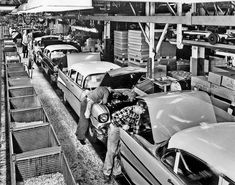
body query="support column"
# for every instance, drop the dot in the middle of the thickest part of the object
(197, 61)
(179, 36)
(150, 31)
(107, 42)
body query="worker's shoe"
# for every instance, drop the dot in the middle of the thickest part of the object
(82, 141)
(107, 178)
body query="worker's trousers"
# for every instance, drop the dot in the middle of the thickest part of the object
(112, 163)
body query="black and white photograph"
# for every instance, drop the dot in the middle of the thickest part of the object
(117, 92)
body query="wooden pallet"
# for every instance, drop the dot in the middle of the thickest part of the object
(120, 57)
(133, 61)
(121, 60)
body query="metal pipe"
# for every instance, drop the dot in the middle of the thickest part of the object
(161, 38)
(171, 9)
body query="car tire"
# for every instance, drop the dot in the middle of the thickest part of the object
(213, 38)
(92, 134)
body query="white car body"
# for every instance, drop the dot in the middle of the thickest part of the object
(181, 126)
(52, 56)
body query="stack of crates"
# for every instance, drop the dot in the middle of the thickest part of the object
(120, 47)
(138, 48)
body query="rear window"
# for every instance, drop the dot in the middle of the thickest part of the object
(93, 81)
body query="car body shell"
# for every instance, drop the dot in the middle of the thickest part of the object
(52, 55)
(38, 46)
(211, 143)
(74, 91)
(112, 76)
(172, 116)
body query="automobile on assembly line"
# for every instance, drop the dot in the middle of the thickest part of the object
(52, 57)
(87, 75)
(39, 45)
(180, 142)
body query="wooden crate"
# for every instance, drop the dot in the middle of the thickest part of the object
(201, 82)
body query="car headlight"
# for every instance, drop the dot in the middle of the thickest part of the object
(103, 118)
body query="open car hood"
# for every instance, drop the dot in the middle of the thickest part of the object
(122, 78)
(173, 112)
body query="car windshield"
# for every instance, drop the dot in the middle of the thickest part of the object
(93, 81)
(57, 54)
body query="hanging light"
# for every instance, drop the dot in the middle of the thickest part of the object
(4, 7)
(21, 9)
(35, 6)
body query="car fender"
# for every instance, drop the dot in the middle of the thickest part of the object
(98, 109)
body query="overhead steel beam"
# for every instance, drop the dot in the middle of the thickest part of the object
(142, 19)
(187, 20)
(165, 1)
(213, 20)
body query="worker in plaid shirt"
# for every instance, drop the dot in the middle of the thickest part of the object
(127, 119)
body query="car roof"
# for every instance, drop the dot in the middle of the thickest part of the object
(175, 111)
(214, 144)
(93, 67)
(46, 36)
(60, 46)
(74, 58)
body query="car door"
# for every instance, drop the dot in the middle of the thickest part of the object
(45, 62)
(141, 165)
(74, 85)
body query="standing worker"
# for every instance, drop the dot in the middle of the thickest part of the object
(25, 42)
(30, 63)
(126, 118)
(98, 95)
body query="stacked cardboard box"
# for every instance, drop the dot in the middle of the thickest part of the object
(120, 43)
(221, 84)
(214, 62)
(138, 48)
(120, 47)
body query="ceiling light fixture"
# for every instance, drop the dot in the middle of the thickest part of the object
(35, 6)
